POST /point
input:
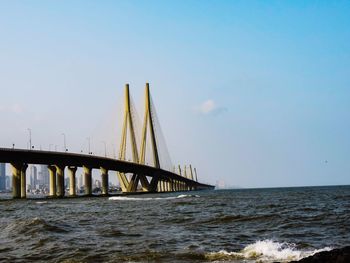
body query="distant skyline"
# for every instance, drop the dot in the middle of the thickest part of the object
(252, 93)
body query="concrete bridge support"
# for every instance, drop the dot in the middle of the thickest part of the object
(52, 172)
(72, 190)
(16, 179)
(172, 185)
(104, 177)
(60, 181)
(87, 180)
(24, 181)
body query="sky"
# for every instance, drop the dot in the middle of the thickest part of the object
(251, 93)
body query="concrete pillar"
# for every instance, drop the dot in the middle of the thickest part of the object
(72, 184)
(60, 180)
(52, 172)
(104, 177)
(24, 181)
(87, 180)
(172, 185)
(16, 180)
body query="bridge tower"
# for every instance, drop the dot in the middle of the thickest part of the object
(148, 121)
(128, 125)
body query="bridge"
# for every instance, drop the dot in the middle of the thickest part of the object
(135, 176)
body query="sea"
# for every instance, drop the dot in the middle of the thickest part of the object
(242, 225)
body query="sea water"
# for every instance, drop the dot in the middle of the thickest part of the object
(245, 225)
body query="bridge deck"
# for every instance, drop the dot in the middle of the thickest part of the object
(94, 162)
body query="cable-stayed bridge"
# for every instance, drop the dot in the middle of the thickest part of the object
(135, 175)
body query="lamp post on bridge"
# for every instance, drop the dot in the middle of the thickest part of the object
(113, 147)
(105, 147)
(89, 144)
(64, 142)
(30, 138)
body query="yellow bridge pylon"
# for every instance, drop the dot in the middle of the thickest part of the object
(130, 185)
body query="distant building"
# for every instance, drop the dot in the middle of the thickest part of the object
(220, 184)
(66, 183)
(2, 177)
(98, 184)
(44, 177)
(80, 181)
(8, 182)
(33, 177)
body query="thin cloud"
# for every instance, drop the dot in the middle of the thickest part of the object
(209, 107)
(14, 108)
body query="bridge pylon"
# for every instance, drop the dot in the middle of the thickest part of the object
(149, 122)
(128, 125)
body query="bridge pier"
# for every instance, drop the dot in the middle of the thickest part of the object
(87, 180)
(52, 173)
(167, 188)
(24, 181)
(16, 179)
(72, 190)
(60, 180)
(104, 177)
(172, 185)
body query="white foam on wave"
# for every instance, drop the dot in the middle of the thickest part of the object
(41, 202)
(266, 251)
(126, 198)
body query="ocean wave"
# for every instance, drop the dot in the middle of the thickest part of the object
(239, 218)
(41, 202)
(31, 226)
(265, 251)
(126, 198)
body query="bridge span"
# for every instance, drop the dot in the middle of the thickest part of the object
(134, 176)
(58, 161)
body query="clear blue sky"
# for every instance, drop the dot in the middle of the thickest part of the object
(253, 93)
